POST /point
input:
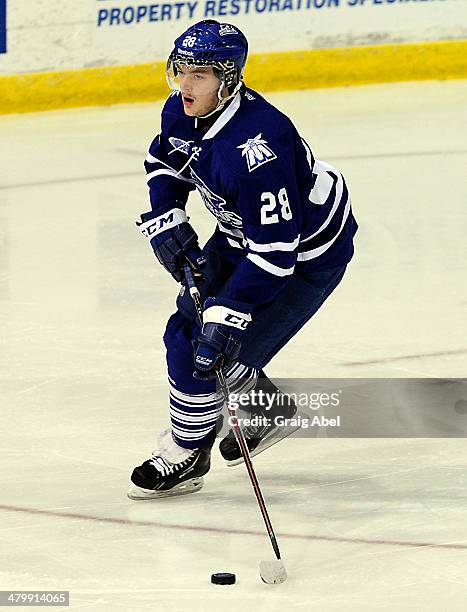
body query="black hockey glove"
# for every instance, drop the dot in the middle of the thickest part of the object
(219, 341)
(173, 241)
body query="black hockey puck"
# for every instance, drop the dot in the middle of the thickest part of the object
(223, 578)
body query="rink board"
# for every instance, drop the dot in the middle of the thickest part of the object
(267, 72)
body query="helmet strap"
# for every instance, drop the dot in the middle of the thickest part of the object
(223, 101)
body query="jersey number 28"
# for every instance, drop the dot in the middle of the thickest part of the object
(267, 214)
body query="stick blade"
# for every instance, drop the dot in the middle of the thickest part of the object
(272, 572)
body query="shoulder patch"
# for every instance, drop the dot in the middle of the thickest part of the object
(256, 152)
(183, 146)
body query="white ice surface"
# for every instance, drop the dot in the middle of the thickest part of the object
(83, 305)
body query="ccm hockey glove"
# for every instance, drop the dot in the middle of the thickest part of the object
(219, 341)
(173, 240)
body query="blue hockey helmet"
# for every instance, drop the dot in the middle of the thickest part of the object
(210, 43)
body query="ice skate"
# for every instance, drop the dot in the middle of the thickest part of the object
(265, 433)
(172, 470)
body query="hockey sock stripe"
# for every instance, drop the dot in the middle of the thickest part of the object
(236, 369)
(207, 414)
(191, 406)
(193, 421)
(180, 434)
(195, 398)
(245, 388)
(246, 382)
(191, 433)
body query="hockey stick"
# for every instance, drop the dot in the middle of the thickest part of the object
(271, 572)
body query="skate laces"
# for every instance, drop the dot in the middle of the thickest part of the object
(169, 457)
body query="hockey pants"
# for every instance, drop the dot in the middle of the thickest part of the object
(194, 404)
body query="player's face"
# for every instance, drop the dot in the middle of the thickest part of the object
(199, 87)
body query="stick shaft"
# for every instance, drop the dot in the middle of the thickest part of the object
(248, 464)
(236, 427)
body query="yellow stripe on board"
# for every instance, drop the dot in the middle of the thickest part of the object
(266, 72)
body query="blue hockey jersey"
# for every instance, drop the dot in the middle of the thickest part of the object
(278, 210)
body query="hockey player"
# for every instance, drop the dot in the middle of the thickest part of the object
(282, 241)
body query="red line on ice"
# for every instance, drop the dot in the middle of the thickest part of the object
(295, 536)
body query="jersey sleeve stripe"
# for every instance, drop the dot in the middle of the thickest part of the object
(273, 246)
(337, 202)
(269, 267)
(309, 156)
(176, 175)
(151, 159)
(307, 255)
(234, 244)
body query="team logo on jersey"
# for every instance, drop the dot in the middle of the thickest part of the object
(214, 203)
(180, 145)
(256, 152)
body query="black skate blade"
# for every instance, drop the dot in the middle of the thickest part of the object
(265, 443)
(185, 488)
